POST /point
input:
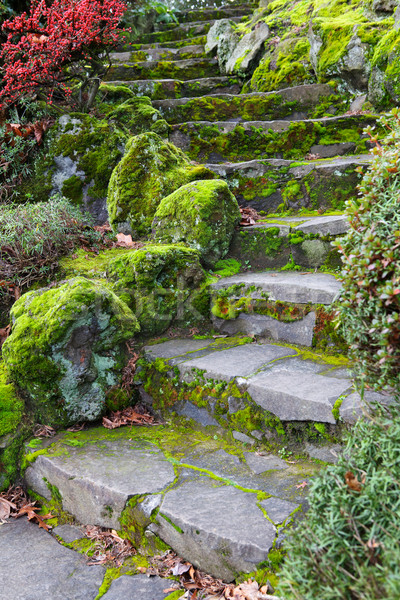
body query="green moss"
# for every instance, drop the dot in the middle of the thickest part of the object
(11, 405)
(336, 407)
(226, 267)
(160, 283)
(201, 214)
(72, 188)
(35, 357)
(150, 170)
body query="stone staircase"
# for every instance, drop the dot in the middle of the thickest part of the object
(246, 414)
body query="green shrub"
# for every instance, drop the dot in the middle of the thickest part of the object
(33, 237)
(370, 305)
(347, 548)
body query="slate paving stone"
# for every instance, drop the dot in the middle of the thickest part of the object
(68, 533)
(298, 394)
(138, 587)
(240, 361)
(278, 510)
(259, 464)
(200, 415)
(211, 523)
(96, 480)
(327, 454)
(34, 566)
(317, 288)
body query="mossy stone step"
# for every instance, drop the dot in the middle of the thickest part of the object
(298, 102)
(299, 288)
(223, 141)
(155, 54)
(158, 69)
(199, 40)
(281, 306)
(307, 241)
(159, 89)
(270, 185)
(212, 14)
(205, 495)
(181, 32)
(236, 385)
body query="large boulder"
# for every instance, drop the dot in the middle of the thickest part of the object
(67, 348)
(161, 283)
(202, 214)
(150, 170)
(80, 151)
(236, 53)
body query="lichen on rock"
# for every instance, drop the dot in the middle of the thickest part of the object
(150, 170)
(67, 347)
(203, 215)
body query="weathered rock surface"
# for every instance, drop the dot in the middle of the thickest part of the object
(35, 566)
(98, 477)
(67, 348)
(202, 214)
(138, 587)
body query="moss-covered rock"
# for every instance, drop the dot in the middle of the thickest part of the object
(161, 283)
(202, 214)
(67, 348)
(150, 170)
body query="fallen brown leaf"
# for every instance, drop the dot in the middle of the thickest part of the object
(302, 485)
(352, 481)
(249, 216)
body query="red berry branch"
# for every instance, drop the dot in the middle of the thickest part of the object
(60, 51)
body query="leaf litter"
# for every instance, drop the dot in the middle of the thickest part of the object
(200, 585)
(15, 503)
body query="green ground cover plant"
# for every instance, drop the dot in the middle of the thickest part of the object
(348, 545)
(33, 237)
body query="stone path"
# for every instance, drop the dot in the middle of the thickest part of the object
(211, 483)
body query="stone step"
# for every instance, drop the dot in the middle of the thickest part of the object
(296, 103)
(304, 241)
(181, 31)
(223, 141)
(155, 54)
(270, 185)
(285, 306)
(199, 40)
(282, 389)
(174, 88)
(215, 502)
(213, 14)
(164, 69)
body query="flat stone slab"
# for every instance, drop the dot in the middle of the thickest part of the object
(206, 524)
(96, 480)
(329, 225)
(171, 88)
(240, 361)
(297, 391)
(259, 464)
(138, 587)
(68, 533)
(327, 454)
(34, 566)
(353, 406)
(289, 286)
(295, 332)
(278, 510)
